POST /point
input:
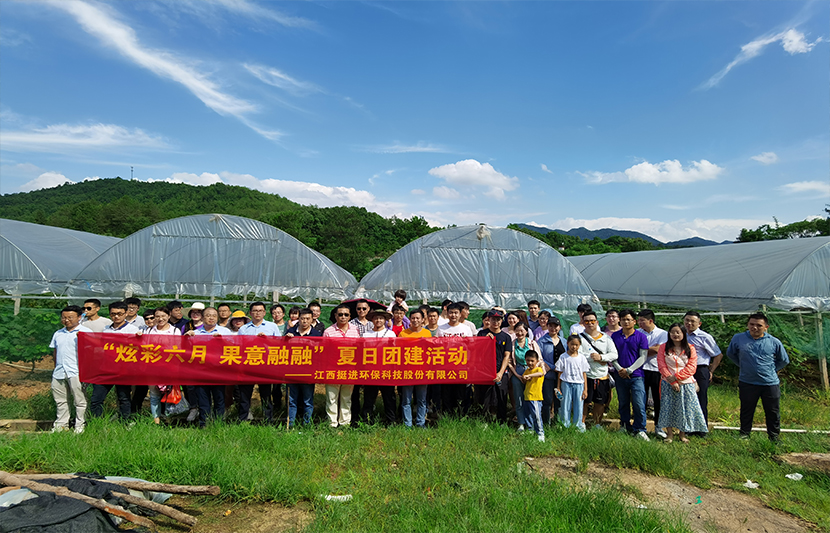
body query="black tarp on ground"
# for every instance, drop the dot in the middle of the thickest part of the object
(55, 514)
(61, 514)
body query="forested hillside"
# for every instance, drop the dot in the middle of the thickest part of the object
(353, 237)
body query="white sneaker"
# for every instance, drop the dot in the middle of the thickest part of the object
(642, 435)
(521, 427)
(79, 430)
(662, 434)
(192, 415)
(541, 438)
(59, 429)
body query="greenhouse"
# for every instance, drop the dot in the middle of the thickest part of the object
(36, 259)
(212, 255)
(782, 274)
(482, 266)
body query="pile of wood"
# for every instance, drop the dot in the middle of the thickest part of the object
(12, 481)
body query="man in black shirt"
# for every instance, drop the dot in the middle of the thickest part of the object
(488, 395)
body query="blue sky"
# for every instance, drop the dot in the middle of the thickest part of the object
(676, 119)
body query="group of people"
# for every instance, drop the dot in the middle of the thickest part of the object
(545, 376)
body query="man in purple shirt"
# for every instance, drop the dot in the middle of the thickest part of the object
(632, 348)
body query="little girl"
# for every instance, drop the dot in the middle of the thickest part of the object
(679, 406)
(572, 384)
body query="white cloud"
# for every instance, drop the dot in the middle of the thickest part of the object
(417, 192)
(717, 230)
(669, 171)
(10, 37)
(100, 21)
(546, 169)
(47, 180)
(792, 40)
(470, 173)
(820, 188)
(447, 193)
(69, 138)
(281, 80)
(205, 178)
(299, 191)
(400, 148)
(211, 10)
(766, 158)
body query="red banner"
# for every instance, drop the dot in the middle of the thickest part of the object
(117, 359)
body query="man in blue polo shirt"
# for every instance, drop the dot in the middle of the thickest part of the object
(207, 393)
(261, 328)
(760, 357)
(65, 377)
(632, 350)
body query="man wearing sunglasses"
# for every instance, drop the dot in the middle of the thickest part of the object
(91, 318)
(118, 314)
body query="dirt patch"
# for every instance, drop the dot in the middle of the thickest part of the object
(813, 461)
(20, 381)
(224, 517)
(704, 510)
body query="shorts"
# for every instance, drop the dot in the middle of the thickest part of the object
(599, 391)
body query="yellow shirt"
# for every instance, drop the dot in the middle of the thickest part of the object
(423, 333)
(533, 388)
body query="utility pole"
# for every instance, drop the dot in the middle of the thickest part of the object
(131, 173)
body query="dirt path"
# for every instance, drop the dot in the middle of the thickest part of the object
(719, 510)
(224, 517)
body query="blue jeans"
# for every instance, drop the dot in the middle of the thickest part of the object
(571, 408)
(533, 415)
(300, 394)
(631, 394)
(519, 394)
(420, 402)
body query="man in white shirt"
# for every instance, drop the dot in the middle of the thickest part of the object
(206, 393)
(599, 350)
(454, 397)
(118, 315)
(65, 380)
(370, 392)
(579, 327)
(651, 374)
(133, 306)
(465, 313)
(91, 319)
(262, 328)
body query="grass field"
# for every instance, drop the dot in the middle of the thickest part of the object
(463, 475)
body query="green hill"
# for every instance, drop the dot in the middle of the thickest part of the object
(356, 239)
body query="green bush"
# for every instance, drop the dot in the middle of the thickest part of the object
(26, 335)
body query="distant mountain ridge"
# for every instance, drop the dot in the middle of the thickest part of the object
(587, 234)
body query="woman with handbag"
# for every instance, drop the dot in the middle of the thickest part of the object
(679, 406)
(162, 327)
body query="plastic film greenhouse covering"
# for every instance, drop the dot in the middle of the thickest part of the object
(213, 255)
(783, 274)
(482, 266)
(36, 259)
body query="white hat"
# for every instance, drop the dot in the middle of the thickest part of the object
(198, 305)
